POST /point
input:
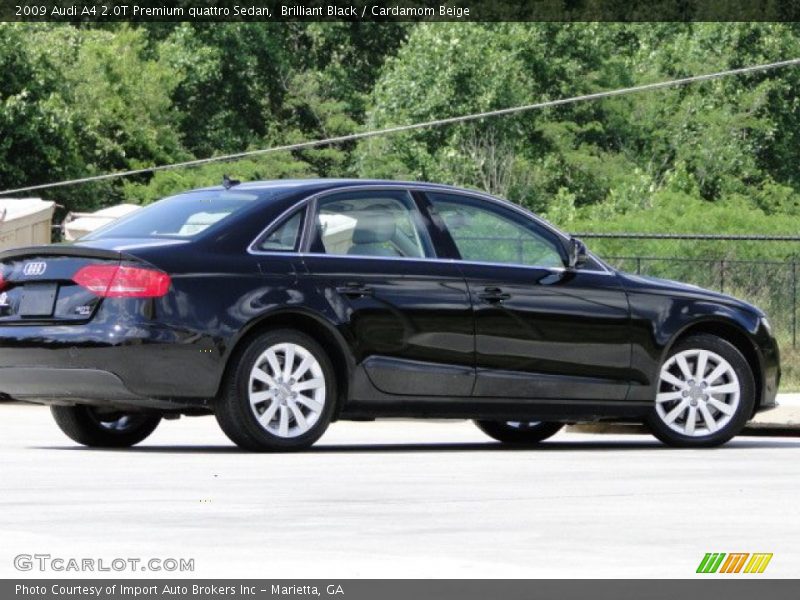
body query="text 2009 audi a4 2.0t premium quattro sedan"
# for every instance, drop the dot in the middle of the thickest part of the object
(282, 306)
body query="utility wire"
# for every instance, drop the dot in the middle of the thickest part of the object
(690, 236)
(414, 126)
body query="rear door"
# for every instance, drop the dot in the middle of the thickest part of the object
(407, 317)
(541, 331)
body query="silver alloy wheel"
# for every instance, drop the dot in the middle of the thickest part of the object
(523, 424)
(287, 390)
(698, 392)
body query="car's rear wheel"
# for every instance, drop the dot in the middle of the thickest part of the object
(519, 432)
(279, 395)
(705, 395)
(104, 427)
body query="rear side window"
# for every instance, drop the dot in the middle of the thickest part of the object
(285, 237)
(182, 216)
(382, 223)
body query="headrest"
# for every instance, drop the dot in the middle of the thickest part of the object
(374, 228)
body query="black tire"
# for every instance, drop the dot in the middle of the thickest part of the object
(526, 432)
(236, 416)
(104, 428)
(739, 417)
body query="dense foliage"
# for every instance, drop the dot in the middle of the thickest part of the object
(715, 157)
(77, 101)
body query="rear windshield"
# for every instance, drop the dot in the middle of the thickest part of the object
(181, 216)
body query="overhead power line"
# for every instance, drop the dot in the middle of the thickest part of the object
(690, 236)
(413, 126)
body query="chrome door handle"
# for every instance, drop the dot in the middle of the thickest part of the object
(355, 290)
(493, 295)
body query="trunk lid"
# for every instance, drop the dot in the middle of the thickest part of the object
(37, 283)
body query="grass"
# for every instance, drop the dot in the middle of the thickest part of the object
(790, 368)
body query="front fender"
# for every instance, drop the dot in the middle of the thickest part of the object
(659, 320)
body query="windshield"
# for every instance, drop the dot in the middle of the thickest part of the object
(181, 216)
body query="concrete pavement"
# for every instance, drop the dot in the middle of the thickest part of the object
(781, 421)
(397, 499)
(784, 420)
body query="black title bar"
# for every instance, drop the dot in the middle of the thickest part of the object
(379, 11)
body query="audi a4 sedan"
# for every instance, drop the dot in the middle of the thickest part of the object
(282, 306)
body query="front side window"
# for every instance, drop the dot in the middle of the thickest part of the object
(370, 224)
(181, 216)
(488, 234)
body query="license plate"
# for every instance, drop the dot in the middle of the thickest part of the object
(38, 299)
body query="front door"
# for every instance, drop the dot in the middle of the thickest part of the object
(541, 331)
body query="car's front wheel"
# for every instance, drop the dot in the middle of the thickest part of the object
(519, 432)
(279, 395)
(104, 427)
(705, 395)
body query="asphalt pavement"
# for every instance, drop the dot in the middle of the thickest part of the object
(395, 499)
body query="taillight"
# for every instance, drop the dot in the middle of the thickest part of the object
(119, 281)
(3, 282)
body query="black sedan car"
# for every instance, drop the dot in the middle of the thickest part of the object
(281, 306)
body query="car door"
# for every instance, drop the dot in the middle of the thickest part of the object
(541, 331)
(406, 317)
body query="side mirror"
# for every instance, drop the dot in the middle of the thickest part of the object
(577, 253)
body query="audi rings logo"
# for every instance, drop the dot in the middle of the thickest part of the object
(32, 269)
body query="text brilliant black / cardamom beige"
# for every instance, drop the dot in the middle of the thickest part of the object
(301, 10)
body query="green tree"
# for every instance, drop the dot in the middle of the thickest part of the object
(717, 141)
(83, 101)
(36, 134)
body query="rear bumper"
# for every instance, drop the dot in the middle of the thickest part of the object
(77, 386)
(113, 360)
(123, 353)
